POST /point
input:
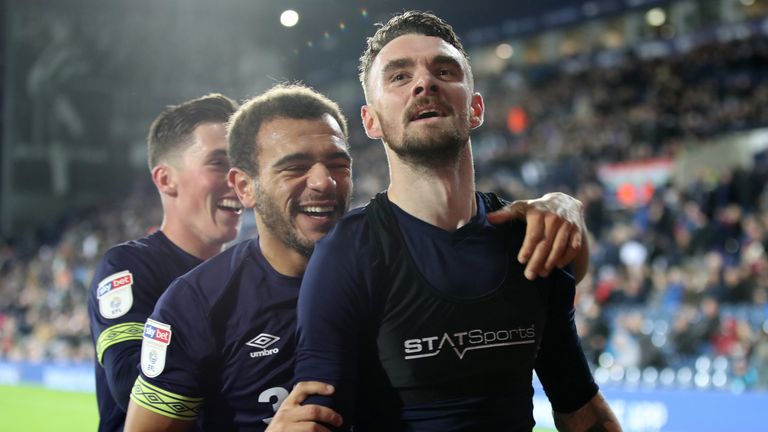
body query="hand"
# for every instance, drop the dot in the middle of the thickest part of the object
(295, 417)
(555, 232)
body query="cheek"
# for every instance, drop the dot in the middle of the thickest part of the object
(344, 185)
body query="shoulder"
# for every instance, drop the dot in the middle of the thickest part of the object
(211, 279)
(350, 231)
(144, 252)
(343, 259)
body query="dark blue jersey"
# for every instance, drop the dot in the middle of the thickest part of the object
(219, 346)
(428, 330)
(128, 281)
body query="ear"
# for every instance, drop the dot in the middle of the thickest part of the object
(164, 178)
(371, 122)
(476, 111)
(243, 185)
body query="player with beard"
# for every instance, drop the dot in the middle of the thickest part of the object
(218, 349)
(415, 308)
(188, 161)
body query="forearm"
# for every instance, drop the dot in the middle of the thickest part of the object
(594, 416)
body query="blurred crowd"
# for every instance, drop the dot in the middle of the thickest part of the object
(677, 293)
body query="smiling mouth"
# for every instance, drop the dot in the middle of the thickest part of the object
(231, 205)
(318, 211)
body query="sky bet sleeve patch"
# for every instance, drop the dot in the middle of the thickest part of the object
(157, 337)
(115, 295)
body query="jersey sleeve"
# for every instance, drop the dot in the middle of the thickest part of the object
(117, 309)
(177, 351)
(334, 312)
(561, 364)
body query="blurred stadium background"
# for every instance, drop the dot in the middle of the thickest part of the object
(653, 113)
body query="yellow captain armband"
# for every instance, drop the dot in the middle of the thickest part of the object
(165, 403)
(116, 334)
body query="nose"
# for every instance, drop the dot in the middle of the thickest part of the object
(319, 178)
(425, 83)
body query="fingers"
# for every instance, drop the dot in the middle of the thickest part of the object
(550, 241)
(305, 389)
(541, 242)
(508, 213)
(304, 418)
(560, 248)
(553, 237)
(534, 234)
(295, 417)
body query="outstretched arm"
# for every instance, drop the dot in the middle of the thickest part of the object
(555, 236)
(594, 416)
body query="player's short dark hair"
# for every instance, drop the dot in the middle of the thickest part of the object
(411, 22)
(293, 101)
(172, 129)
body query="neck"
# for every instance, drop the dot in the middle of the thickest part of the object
(442, 196)
(188, 241)
(285, 260)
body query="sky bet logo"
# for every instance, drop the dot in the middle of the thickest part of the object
(465, 341)
(114, 282)
(156, 333)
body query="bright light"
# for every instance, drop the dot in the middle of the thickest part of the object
(289, 18)
(656, 17)
(747, 2)
(504, 51)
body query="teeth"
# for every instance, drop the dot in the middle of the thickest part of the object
(429, 112)
(231, 203)
(317, 209)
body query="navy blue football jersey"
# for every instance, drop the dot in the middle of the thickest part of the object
(423, 329)
(219, 347)
(128, 281)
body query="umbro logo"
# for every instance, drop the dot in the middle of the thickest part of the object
(262, 341)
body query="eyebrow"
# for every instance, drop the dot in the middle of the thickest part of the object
(305, 157)
(446, 60)
(396, 64)
(400, 63)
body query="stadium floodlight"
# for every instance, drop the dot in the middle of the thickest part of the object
(656, 17)
(504, 51)
(289, 18)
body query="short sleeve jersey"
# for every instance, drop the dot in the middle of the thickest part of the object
(423, 329)
(219, 347)
(128, 281)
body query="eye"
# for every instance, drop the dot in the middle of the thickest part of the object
(339, 167)
(219, 163)
(296, 168)
(398, 77)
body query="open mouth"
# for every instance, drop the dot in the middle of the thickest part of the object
(231, 205)
(318, 211)
(426, 113)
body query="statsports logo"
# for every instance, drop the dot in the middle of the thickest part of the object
(465, 341)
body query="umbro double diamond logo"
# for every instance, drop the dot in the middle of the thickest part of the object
(262, 341)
